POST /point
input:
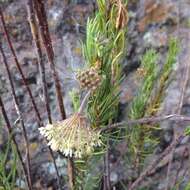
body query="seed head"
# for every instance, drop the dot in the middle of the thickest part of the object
(73, 136)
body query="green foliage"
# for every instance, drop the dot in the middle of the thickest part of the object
(75, 100)
(187, 131)
(163, 77)
(104, 44)
(139, 136)
(8, 175)
(90, 175)
(180, 183)
(171, 59)
(141, 139)
(187, 187)
(150, 68)
(104, 47)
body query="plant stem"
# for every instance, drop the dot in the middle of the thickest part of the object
(19, 67)
(179, 108)
(84, 101)
(147, 120)
(19, 115)
(35, 35)
(9, 128)
(107, 184)
(155, 162)
(44, 32)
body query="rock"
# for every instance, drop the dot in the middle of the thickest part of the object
(21, 183)
(61, 164)
(156, 38)
(113, 177)
(155, 12)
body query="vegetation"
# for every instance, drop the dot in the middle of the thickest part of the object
(8, 158)
(88, 136)
(147, 103)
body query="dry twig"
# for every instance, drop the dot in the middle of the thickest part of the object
(9, 128)
(19, 115)
(35, 35)
(19, 67)
(185, 79)
(44, 32)
(147, 120)
(155, 163)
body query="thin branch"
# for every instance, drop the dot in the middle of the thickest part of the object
(150, 120)
(19, 115)
(179, 107)
(180, 166)
(155, 163)
(107, 168)
(44, 32)
(104, 175)
(9, 128)
(84, 101)
(18, 66)
(147, 120)
(35, 35)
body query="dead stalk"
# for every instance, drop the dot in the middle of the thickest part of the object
(35, 35)
(19, 67)
(9, 129)
(179, 107)
(136, 183)
(19, 115)
(147, 120)
(44, 32)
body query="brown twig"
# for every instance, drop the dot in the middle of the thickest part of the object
(19, 115)
(104, 178)
(44, 32)
(155, 163)
(35, 35)
(18, 66)
(107, 184)
(179, 107)
(24, 79)
(9, 128)
(146, 120)
(150, 120)
(180, 166)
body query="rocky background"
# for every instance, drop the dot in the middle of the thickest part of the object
(151, 24)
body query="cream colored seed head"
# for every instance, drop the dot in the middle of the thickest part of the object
(73, 136)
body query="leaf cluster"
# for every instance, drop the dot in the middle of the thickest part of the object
(105, 46)
(141, 138)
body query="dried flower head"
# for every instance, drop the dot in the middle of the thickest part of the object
(72, 136)
(89, 79)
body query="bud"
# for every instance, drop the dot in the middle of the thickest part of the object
(89, 79)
